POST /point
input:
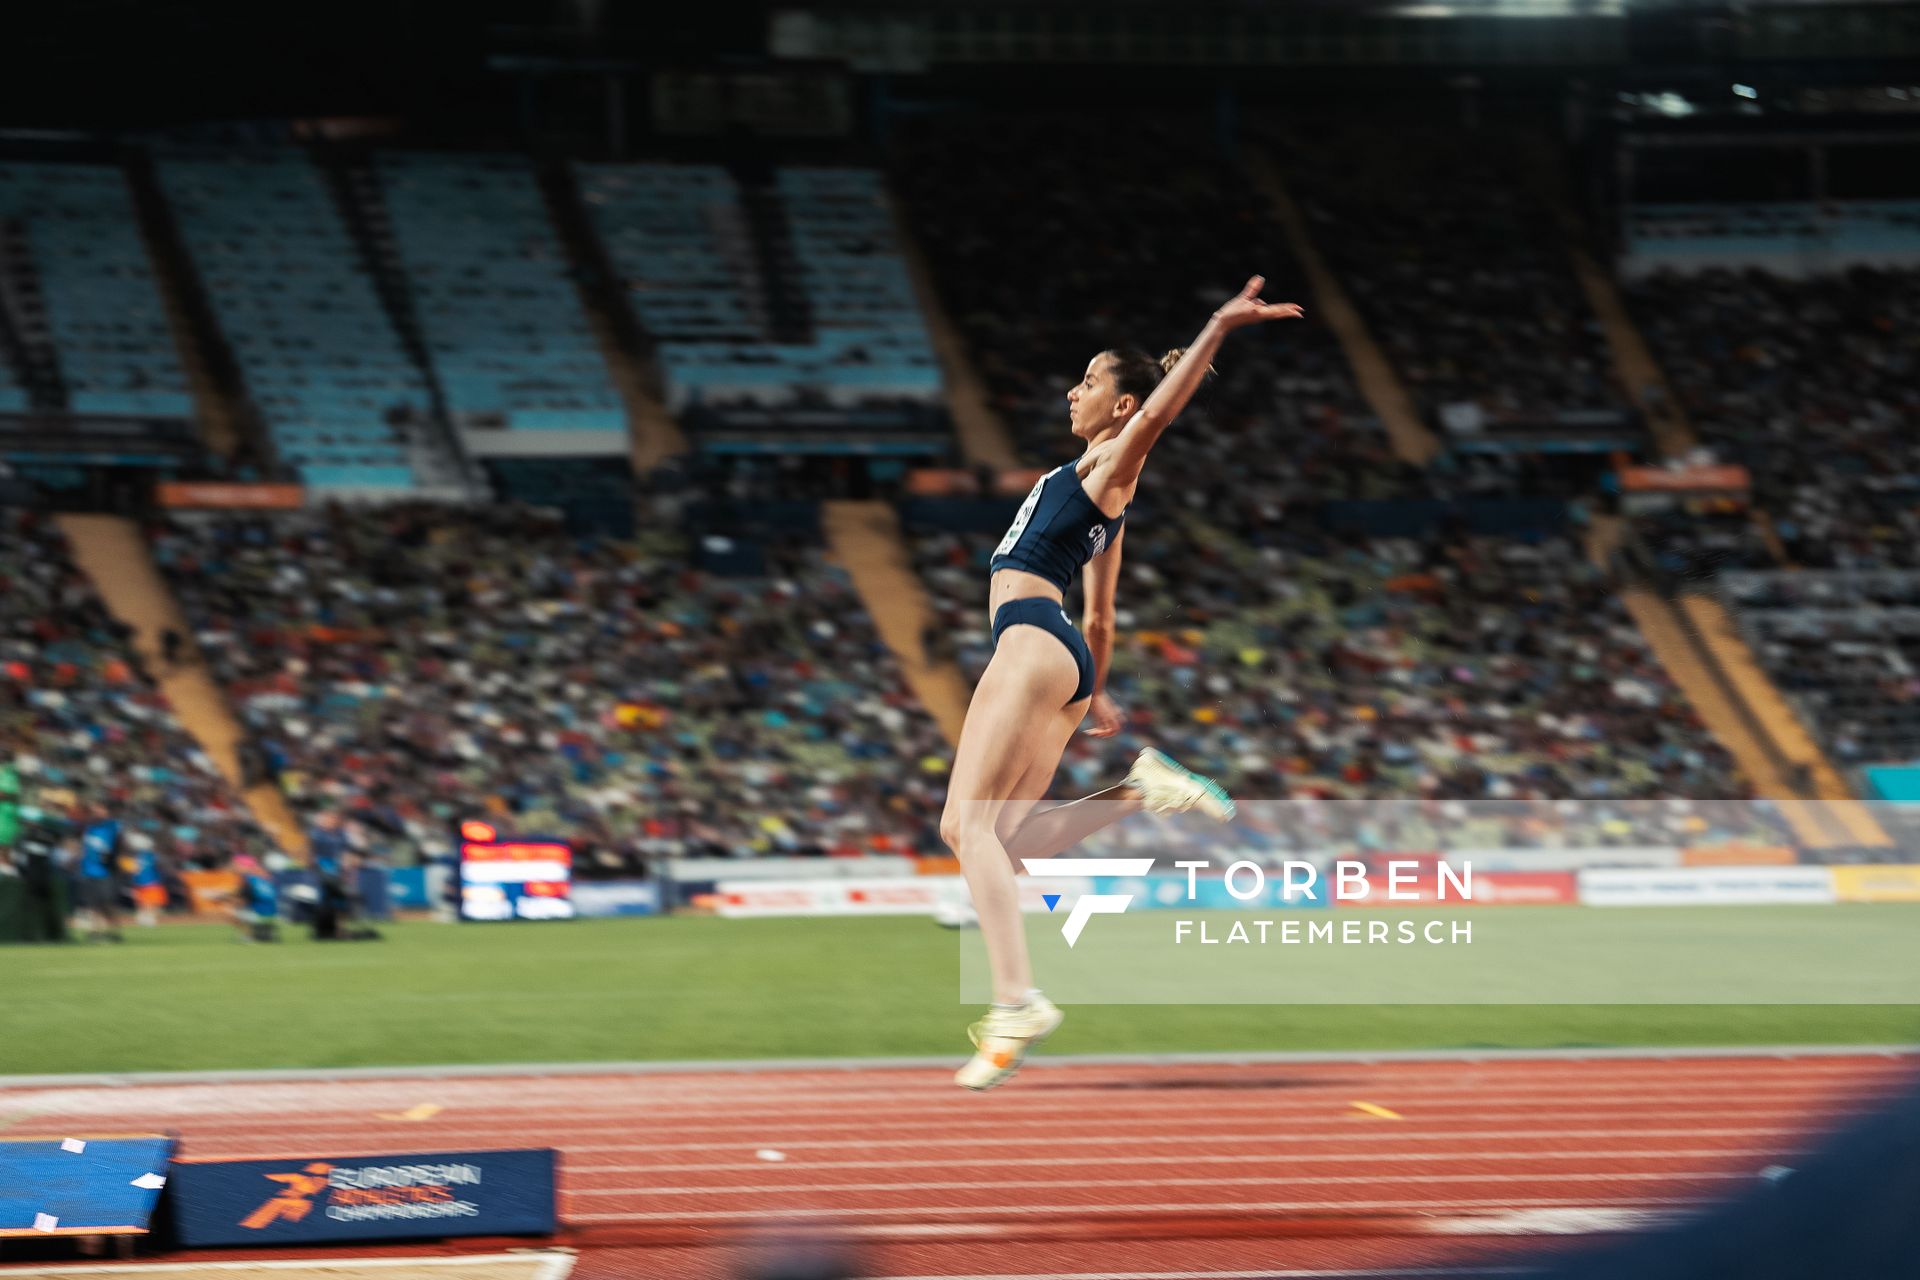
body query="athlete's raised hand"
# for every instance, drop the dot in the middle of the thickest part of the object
(1106, 716)
(1247, 308)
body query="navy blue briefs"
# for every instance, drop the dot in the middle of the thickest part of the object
(1038, 611)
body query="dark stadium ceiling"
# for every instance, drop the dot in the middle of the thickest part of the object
(1399, 8)
(153, 63)
(86, 62)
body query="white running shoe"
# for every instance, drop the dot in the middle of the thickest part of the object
(1165, 786)
(956, 915)
(1002, 1039)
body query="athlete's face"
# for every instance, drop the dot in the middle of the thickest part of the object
(1092, 405)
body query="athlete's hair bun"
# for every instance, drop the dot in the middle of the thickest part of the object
(1136, 374)
(1172, 358)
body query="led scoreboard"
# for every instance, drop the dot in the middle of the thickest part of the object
(503, 878)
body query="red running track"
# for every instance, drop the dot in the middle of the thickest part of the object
(1072, 1170)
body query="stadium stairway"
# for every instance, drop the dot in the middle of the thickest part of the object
(656, 436)
(982, 434)
(111, 552)
(1605, 536)
(1723, 716)
(1716, 628)
(226, 417)
(1633, 363)
(771, 232)
(16, 371)
(1372, 372)
(1763, 521)
(36, 359)
(866, 540)
(363, 210)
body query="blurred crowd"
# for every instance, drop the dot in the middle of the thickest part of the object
(415, 665)
(84, 726)
(1845, 647)
(1055, 239)
(418, 665)
(1447, 667)
(1694, 540)
(1458, 265)
(1813, 385)
(1254, 644)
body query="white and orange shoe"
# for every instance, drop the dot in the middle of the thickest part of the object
(1002, 1039)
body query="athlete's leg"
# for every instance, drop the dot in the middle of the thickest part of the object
(1157, 783)
(1062, 826)
(1038, 778)
(1016, 702)
(1057, 828)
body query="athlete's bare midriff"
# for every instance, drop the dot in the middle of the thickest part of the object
(1018, 584)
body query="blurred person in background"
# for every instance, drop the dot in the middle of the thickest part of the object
(256, 902)
(9, 806)
(145, 879)
(354, 914)
(327, 850)
(98, 899)
(35, 857)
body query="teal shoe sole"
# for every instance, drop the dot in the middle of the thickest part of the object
(1212, 788)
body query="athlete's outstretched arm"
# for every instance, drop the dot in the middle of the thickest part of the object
(1098, 580)
(1170, 397)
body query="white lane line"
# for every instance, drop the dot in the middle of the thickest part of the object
(1332, 1122)
(1142, 1099)
(1333, 1128)
(748, 1067)
(925, 1084)
(1477, 1099)
(1357, 1180)
(1235, 1137)
(1108, 1210)
(573, 1170)
(1231, 1136)
(235, 1107)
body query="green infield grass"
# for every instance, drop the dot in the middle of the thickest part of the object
(189, 997)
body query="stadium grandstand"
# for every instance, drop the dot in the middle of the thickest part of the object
(497, 521)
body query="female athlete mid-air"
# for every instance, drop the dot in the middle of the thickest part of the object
(1044, 677)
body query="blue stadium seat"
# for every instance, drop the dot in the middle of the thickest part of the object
(105, 317)
(678, 236)
(507, 331)
(297, 305)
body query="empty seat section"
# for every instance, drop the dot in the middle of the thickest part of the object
(678, 237)
(870, 333)
(299, 307)
(504, 324)
(104, 316)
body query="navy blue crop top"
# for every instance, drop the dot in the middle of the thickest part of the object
(1057, 529)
